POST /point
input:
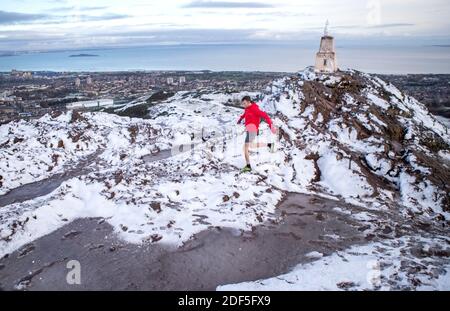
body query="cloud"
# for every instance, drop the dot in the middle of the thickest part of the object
(392, 25)
(64, 39)
(279, 14)
(226, 5)
(77, 8)
(15, 17)
(186, 35)
(94, 18)
(34, 40)
(353, 27)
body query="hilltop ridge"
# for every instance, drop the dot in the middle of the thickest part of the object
(347, 137)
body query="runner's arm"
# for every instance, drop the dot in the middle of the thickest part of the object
(265, 116)
(241, 118)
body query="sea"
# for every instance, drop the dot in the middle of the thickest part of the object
(235, 57)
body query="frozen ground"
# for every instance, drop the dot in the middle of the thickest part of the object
(387, 265)
(211, 258)
(352, 139)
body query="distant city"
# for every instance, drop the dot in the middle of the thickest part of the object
(25, 94)
(431, 90)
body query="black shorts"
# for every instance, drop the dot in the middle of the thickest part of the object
(250, 137)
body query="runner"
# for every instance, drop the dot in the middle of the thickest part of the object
(253, 116)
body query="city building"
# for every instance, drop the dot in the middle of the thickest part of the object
(182, 79)
(91, 104)
(21, 74)
(7, 109)
(6, 96)
(326, 61)
(77, 82)
(89, 80)
(170, 81)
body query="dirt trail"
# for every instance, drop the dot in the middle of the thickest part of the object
(43, 187)
(46, 186)
(213, 257)
(84, 166)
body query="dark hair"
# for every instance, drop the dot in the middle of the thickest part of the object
(246, 98)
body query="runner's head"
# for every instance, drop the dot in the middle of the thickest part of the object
(246, 101)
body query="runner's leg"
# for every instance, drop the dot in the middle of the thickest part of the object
(246, 153)
(248, 140)
(258, 145)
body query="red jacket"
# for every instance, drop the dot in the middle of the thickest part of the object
(252, 116)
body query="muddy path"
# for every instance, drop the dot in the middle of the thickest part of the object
(84, 166)
(87, 165)
(48, 185)
(214, 257)
(211, 258)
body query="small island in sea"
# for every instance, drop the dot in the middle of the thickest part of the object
(84, 55)
(7, 54)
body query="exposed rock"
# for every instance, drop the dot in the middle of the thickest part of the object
(345, 285)
(155, 238)
(5, 144)
(118, 176)
(25, 250)
(75, 136)
(133, 130)
(71, 234)
(434, 142)
(387, 230)
(315, 157)
(77, 117)
(55, 158)
(320, 217)
(55, 113)
(160, 96)
(156, 206)
(18, 140)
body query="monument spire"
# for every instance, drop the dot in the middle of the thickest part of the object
(326, 57)
(325, 32)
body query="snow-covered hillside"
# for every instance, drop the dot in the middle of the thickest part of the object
(369, 142)
(349, 137)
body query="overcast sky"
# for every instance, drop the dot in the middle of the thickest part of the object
(62, 24)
